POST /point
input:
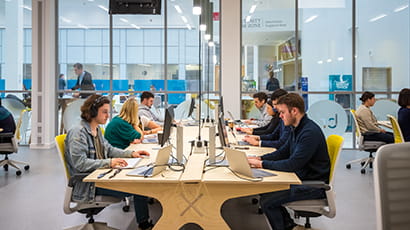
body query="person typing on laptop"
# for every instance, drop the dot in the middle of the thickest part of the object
(260, 100)
(274, 122)
(305, 153)
(87, 150)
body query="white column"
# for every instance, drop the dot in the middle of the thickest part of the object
(256, 66)
(13, 58)
(231, 55)
(44, 73)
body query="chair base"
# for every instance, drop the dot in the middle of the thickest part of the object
(367, 161)
(13, 163)
(93, 226)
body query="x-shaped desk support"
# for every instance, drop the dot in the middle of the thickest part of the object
(191, 204)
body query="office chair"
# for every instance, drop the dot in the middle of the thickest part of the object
(392, 186)
(398, 135)
(71, 116)
(368, 146)
(14, 105)
(8, 145)
(326, 206)
(89, 208)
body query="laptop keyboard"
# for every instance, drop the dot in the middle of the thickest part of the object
(261, 173)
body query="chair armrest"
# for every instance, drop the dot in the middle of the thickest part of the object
(317, 184)
(76, 177)
(6, 135)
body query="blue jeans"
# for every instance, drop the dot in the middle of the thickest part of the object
(271, 203)
(140, 202)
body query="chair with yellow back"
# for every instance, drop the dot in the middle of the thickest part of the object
(398, 135)
(88, 208)
(326, 206)
(368, 146)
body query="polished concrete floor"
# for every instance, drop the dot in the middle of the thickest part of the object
(34, 200)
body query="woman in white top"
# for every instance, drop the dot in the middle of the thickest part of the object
(368, 123)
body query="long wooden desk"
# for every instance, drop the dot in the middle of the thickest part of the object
(193, 196)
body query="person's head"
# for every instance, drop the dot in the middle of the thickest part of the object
(269, 108)
(260, 99)
(129, 111)
(404, 98)
(147, 98)
(78, 68)
(368, 98)
(96, 108)
(276, 95)
(291, 108)
(271, 74)
(61, 75)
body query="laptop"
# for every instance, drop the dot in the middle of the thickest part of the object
(150, 139)
(152, 169)
(238, 162)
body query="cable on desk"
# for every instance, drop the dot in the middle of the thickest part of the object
(211, 167)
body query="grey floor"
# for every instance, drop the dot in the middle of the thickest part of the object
(34, 199)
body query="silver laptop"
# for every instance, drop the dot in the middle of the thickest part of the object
(238, 162)
(152, 169)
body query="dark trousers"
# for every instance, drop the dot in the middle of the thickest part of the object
(385, 137)
(140, 202)
(278, 216)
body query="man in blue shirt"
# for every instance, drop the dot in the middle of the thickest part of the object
(305, 153)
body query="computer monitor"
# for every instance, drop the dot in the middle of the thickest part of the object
(167, 127)
(223, 135)
(191, 107)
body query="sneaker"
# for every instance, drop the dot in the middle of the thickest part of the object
(147, 225)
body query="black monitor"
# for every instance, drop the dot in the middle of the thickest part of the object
(223, 135)
(135, 6)
(191, 107)
(221, 106)
(167, 127)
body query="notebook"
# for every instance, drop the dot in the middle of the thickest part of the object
(238, 162)
(131, 162)
(154, 168)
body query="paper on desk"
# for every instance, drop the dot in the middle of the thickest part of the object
(131, 162)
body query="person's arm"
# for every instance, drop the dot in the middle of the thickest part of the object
(302, 153)
(282, 153)
(282, 137)
(369, 121)
(77, 149)
(154, 127)
(267, 129)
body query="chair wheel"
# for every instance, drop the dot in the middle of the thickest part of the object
(254, 201)
(6, 167)
(126, 208)
(26, 167)
(363, 171)
(371, 165)
(18, 172)
(348, 166)
(260, 211)
(362, 163)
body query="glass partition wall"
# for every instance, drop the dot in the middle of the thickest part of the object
(315, 52)
(164, 53)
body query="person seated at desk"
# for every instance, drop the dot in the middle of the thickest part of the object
(260, 100)
(147, 100)
(127, 128)
(368, 123)
(87, 150)
(269, 128)
(305, 153)
(403, 115)
(7, 123)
